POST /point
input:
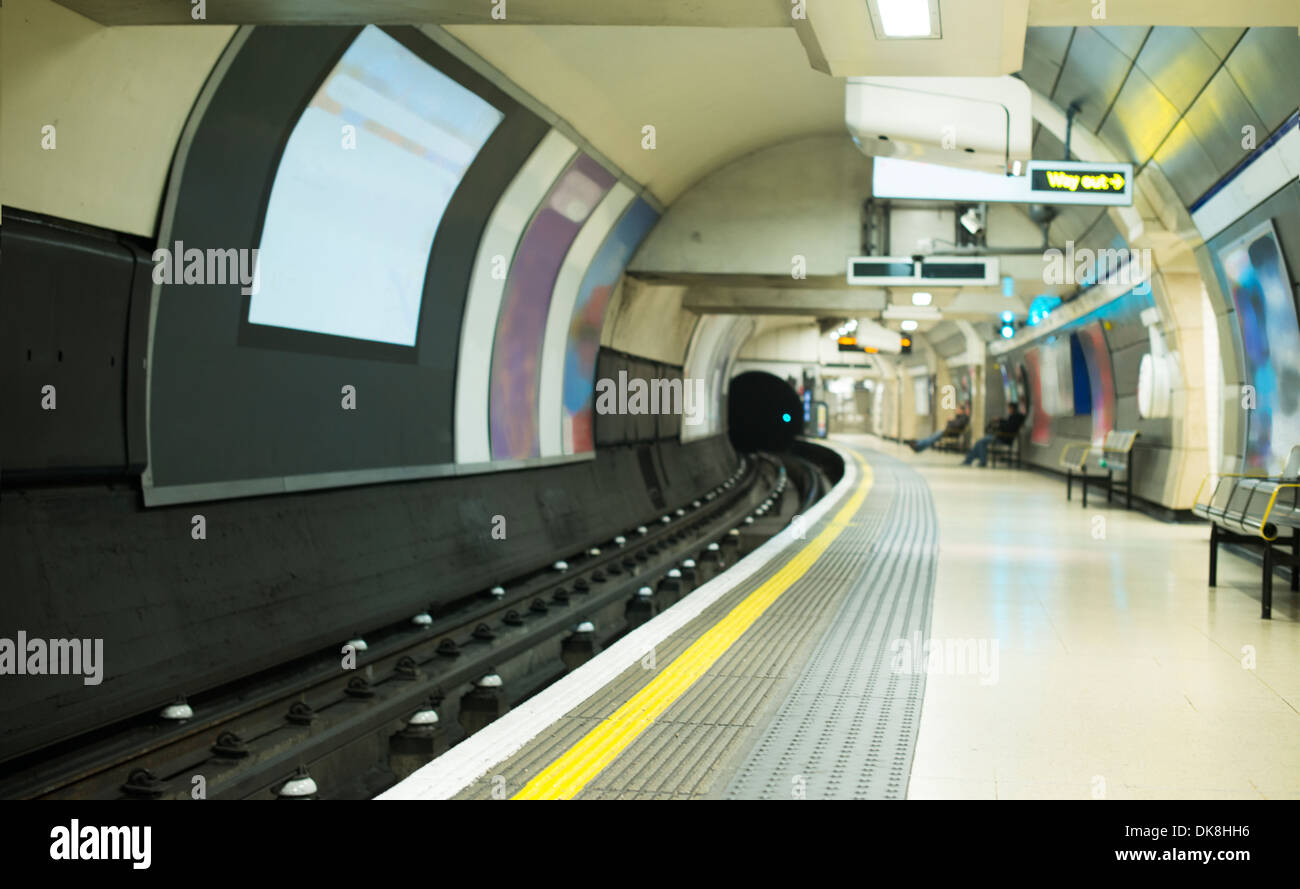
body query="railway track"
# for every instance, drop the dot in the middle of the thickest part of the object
(348, 723)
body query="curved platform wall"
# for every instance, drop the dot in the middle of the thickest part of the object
(280, 576)
(500, 367)
(1248, 286)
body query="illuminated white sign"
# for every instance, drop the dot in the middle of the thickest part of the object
(1044, 182)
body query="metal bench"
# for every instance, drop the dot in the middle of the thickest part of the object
(1114, 456)
(1005, 451)
(955, 444)
(1256, 511)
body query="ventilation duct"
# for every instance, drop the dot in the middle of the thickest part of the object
(980, 123)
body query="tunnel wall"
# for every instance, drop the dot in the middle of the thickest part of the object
(276, 576)
(312, 563)
(1276, 409)
(501, 370)
(1113, 340)
(753, 217)
(119, 129)
(280, 577)
(1161, 477)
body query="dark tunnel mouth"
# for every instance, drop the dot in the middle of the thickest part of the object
(764, 413)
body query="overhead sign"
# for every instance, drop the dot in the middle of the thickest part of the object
(1051, 179)
(1044, 182)
(938, 271)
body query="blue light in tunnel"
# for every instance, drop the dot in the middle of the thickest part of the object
(785, 418)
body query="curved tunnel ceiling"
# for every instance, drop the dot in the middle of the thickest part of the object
(710, 104)
(698, 87)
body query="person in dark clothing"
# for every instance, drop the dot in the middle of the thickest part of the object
(1005, 429)
(955, 426)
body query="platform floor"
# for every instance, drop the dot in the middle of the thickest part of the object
(942, 632)
(782, 688)
(1120, 671)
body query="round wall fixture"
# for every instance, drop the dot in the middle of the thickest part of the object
(1155, 389)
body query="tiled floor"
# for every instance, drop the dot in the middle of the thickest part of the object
(1119, 673)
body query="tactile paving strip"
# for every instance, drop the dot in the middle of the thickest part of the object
(692, 748)
(848, 728)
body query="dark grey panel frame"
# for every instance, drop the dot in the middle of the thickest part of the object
(79, 292)
(270, 418)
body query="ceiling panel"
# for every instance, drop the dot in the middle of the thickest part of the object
(1093, 73)
(1072, 222)
(1217, 116)
(710, 105)
(1039, 73)
(1186, 164)
(1139, 120)
(1221, 40)
(1179, 63)
(1127, 40)
(1048, 44)
(1103, 233)
(1264, 59)
(1047, 147)
(947, 339)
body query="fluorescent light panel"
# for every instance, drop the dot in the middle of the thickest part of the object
(905, 19)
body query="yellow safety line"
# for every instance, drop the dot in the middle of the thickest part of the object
(568, 775)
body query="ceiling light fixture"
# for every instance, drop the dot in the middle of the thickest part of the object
(922, 299)
(908, 325)
(904, 18)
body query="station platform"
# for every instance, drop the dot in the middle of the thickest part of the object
(771, 681)
(1023, 658)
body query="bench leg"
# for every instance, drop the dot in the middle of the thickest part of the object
(1266, 599)
(1084, 486)
(1214, 554)
(1295, 561)
(1069, 486)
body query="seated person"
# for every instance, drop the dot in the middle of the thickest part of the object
(954, 428)
(1005, 430)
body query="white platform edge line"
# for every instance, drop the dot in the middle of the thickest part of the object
(474, 757)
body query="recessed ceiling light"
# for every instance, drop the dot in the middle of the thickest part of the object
(909, 325)
(905, 18)
(921, 299)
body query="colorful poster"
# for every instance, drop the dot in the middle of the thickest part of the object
(1266, 315)
(1096, 356)
(1041, 428)
(521, 322)
(588, 320)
